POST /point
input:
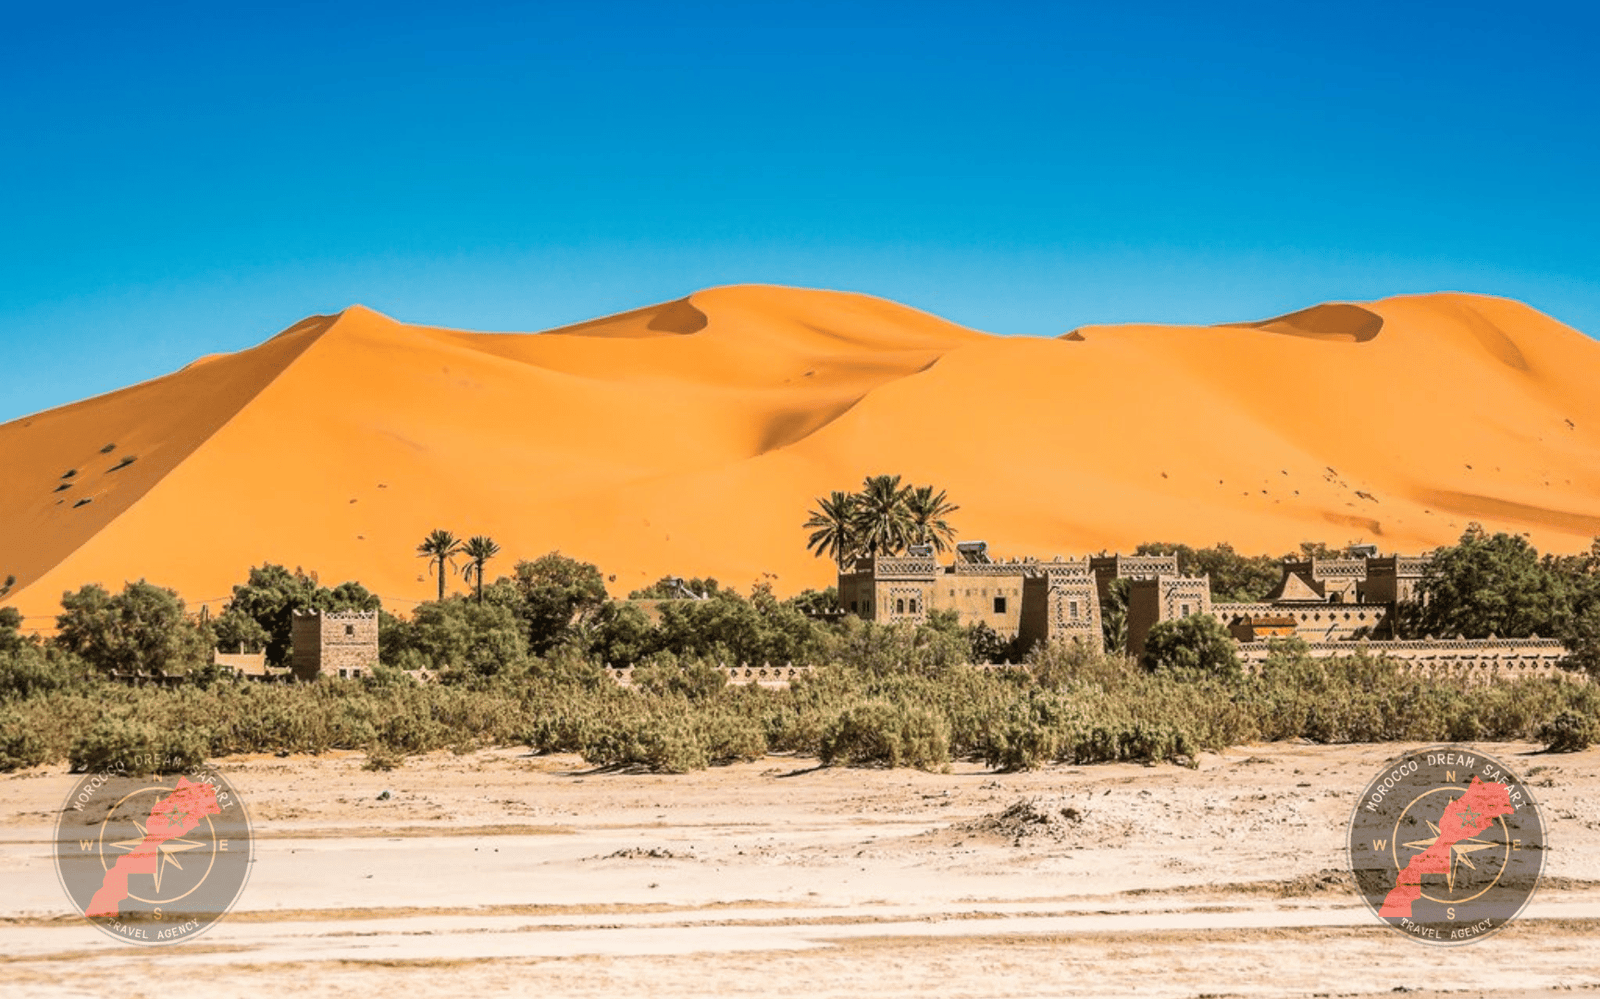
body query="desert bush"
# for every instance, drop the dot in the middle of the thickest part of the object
(20, 745)
(732, 735)
(880, 733)
(137, 747)
(885, 649)
(382, 757)
(666, 675)
(1065, 661)
(28, 669)
(1197, 645)
(1568, 732)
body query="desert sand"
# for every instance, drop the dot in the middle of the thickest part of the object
(692, 438)
(501, 873)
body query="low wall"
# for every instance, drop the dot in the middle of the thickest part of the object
(1483, 660)
(765, 676)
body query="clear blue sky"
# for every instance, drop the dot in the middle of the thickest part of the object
(183, 179)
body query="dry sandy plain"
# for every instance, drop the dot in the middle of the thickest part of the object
(501, 873)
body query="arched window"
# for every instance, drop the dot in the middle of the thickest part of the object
(900, 606)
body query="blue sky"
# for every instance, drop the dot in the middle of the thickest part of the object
(184, 179)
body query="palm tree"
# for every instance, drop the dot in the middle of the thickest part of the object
(442, 547)
(478, 550)
(882, 521)
(928, 510)
(832, 527)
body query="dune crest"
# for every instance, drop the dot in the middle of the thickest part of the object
(1336, 321)
(692, 437)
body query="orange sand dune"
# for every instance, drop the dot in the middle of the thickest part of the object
(692, 437)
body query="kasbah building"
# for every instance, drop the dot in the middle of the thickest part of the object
(1337, 606)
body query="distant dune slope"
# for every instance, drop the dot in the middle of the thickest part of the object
(691, 437)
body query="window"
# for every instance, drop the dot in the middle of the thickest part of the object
(999, 605)
(899, 606)
(1072, 609)
(1183, 610)
(349, 630)
(853, 606)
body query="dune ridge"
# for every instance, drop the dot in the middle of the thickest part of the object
(691, 437)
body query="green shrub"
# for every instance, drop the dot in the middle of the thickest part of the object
(664, 676)
(729, 736)
(880, 733)
(1568, 732)
(137, 747)
(1195, 645)
(20, 745)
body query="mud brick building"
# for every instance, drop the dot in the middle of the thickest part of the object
(342, 644)
(1338, 606)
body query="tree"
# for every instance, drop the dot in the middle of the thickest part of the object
(1493, 585)
(557, 594)
(234, 630)
(1114, 617)
(622, 634)
(465, 640)
(678, 588)
(261, 612)
(817, 603)
(141, 631)
(479, 549)
(832, 527)
(882, 519)
(927, 510)
(440, 548)
(11, 629)
(1581, 634)
(1196, 645)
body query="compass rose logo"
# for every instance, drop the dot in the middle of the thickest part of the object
(1446, 844)
(153, 860)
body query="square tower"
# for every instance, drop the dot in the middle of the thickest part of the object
(1164, 598)
(333, 643)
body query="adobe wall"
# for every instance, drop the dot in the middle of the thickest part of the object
(993, 595)
(1474, 660)
(1314, 622)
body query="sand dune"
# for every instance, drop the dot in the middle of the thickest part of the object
(692, 437)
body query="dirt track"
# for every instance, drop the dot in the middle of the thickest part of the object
(496, 872)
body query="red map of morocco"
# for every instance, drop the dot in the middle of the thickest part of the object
(1467, 816)
(171, 817)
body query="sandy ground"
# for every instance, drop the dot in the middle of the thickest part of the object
(500, 873)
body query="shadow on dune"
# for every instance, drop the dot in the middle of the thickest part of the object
(1338, 321)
